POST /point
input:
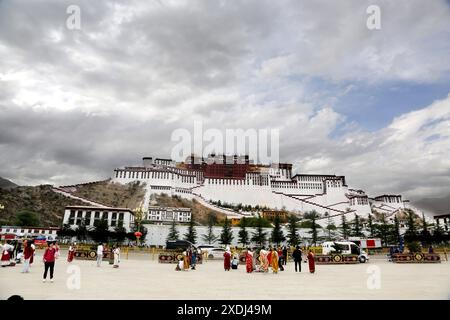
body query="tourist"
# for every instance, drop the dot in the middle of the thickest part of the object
(227, 259)
(193, 259)
(274, 260)
(180, 265)
(264, 260)
(18, 248)
(57, 253)
(33, 253)
(99, 254)
(280, 259)
(185, 261)
(235, 261)
(116, 252)
(269, 256)
(297, 255)
(27, 254)
(430, 249)
(49, 261)
(312, 264)
(285, 255)
(71, 253)
(6, 256)
(249, 261)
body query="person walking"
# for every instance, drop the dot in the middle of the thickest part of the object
(33, 251)
(280, 259)
(49, 261)
(311, 262)
(297, 255)
(193, 259)
(285, 255)
(100, 249)
(6, 256)
(28, 252)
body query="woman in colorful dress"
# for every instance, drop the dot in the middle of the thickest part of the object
(311, 262)
(6, 256)
(264, 260)
(227, 259)
(249, 261)
(274, 260)
(185, 261)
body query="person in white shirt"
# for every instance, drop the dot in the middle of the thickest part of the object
(116, 252)
(99, 254)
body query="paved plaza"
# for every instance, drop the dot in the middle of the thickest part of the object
(140, 277)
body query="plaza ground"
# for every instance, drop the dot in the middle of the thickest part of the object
(140, 277)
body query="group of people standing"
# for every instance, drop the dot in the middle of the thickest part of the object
(115, 254)
(188, 260)
(272, 258)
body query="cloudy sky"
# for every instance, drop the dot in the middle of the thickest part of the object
(373, 105)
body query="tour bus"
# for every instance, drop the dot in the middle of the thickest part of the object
(347, 247)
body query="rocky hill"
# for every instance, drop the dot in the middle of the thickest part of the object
(6, 184)
(46, 204)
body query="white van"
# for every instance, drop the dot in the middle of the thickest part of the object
(347, 247)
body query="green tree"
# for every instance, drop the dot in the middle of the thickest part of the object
(396, 229)
(438, 234)
(357, 227)
(210, 237)
(370, 223)
(277, 234)
(226, 236)
(411, 231)
(313, 216)
(344, 227)
(243, 233)
(293, 237)
(81, 232)
(383, 230)
(173, 232)
(191, 234)
(120, 232)
(101, 230)
(259, 236)
(26, 218)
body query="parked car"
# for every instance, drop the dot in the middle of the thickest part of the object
(179, 245)
(346, 247)
(205, 247)
(216, 253)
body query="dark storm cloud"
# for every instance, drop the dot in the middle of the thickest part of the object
(74, 104)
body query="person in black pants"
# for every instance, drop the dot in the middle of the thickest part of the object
(49, 261)
(285, 255)
(297, 255)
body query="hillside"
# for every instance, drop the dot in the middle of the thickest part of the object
(111, 194)
(48, 205)
(131, 196)
(6, 184)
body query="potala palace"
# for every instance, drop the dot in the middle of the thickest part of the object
(236, 180)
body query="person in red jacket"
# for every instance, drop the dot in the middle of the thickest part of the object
(49, 261)
(27, 254)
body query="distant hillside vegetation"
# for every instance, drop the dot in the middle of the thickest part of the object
(111, 194)
(46, 204)
(6, 184)
(199, 211)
